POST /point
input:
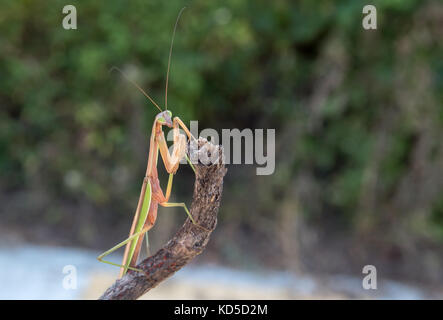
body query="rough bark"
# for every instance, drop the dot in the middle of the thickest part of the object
(189, 241)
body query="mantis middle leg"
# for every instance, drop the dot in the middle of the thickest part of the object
(165, 202)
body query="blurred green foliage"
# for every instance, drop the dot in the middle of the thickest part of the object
(358, 114)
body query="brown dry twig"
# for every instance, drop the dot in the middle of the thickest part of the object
(189, 241)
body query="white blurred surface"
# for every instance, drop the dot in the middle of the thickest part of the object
(36, 272)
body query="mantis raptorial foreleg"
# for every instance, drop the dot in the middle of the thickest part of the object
(121, 244)
(178, 122)
(172, 162)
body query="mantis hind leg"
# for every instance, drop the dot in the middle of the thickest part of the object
(121, 244)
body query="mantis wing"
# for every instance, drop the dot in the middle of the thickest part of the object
(140, 223)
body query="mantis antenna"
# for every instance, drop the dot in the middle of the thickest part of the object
(169, 60)
(136, 85)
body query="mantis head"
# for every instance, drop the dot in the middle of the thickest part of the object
(165, 118)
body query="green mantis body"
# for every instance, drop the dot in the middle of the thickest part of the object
(151, 194)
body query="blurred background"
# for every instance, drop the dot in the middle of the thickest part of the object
(359, 156)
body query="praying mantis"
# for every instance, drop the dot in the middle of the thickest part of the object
(151, 194)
